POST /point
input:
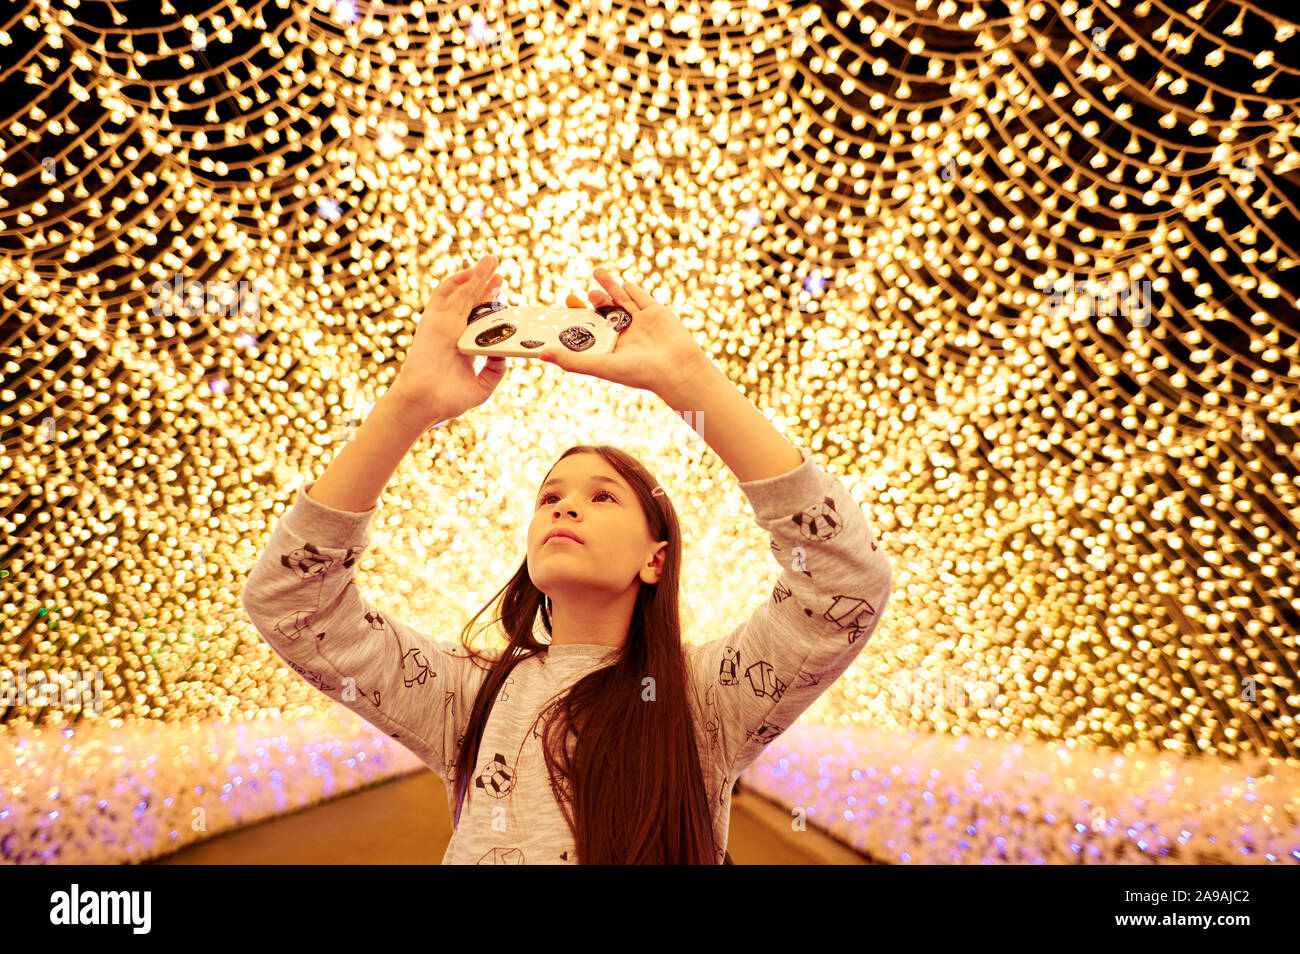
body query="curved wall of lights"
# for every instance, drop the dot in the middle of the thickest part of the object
(1023, 273)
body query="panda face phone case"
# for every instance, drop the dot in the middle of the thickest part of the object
(523, 331)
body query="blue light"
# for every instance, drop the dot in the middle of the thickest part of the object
(327, 209)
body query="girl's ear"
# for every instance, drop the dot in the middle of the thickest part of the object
(656, 564)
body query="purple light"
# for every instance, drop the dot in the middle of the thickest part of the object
(345, 11)
(814, 284)
(481, 33)
(327, 209)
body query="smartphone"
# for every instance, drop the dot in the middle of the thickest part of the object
(522, 331)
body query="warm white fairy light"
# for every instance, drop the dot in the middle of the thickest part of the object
(936, 266)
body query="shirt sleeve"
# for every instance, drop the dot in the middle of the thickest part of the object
(302, 597)
(834, 585)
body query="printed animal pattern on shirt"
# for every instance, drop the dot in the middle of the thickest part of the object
(312, 677)
(851, 613)
(414, 667)
(764, 681)
(809, 680)
(755, 686)
(310, 562)
(503, 856)
(293, 625)
(820, 521)
(712, 724)
(758, 679)
(496, 778)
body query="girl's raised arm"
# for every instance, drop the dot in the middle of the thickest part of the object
(436, 382)
(302, 596)
(835, 583)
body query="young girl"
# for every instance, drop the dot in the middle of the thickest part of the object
(596, 737)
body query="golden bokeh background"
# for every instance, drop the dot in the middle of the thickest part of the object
(1021, 273)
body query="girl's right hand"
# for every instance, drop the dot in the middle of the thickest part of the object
(436, 381)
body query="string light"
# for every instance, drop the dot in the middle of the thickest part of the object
(1025, 279)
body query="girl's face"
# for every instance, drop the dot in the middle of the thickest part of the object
(586, 496)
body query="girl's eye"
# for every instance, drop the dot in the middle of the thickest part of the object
(599, 493)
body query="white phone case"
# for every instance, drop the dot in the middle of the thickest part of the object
(523, 331)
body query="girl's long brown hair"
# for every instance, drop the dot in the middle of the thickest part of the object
(625, 770)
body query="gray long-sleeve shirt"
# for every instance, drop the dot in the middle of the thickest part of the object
(749, 686)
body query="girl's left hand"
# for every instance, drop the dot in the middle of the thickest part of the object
(655, 352)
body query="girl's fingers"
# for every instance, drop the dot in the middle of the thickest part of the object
(639, 295)
(629, 294)
(481, 269)
(613, 289)
(478, 277)
(454, 283)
